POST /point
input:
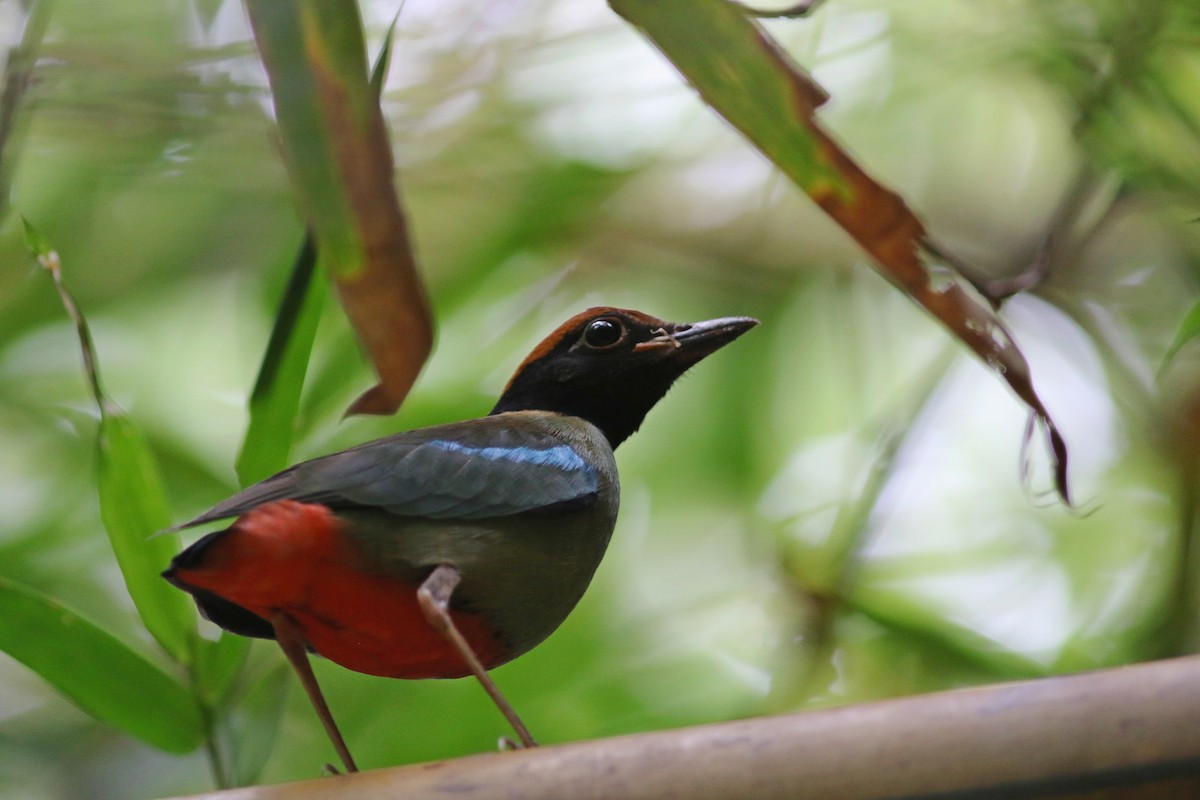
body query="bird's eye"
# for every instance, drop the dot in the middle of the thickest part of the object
(603, 332)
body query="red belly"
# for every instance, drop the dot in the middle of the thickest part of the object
(290, 557)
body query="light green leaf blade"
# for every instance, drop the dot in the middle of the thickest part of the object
(133, 504)
(276, 396)
(746, 78)
(380, 68)
(34, 240)
(255, 720)
(133, 507)
(1188, 330)
(217, 666)
(96, 671)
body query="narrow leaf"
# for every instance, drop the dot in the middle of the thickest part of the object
(37, 244)
(133, 506)
(337, 151)
(217, 665)
(383, 59)
(276, 396)
(96, 671)
(256, 719)
(133, 503)
(1189, 329)
(741, 72)
(18, 70)
(746, 77)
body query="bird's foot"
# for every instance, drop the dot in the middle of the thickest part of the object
(506, 743)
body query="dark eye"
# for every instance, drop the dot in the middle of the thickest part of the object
(603, 333)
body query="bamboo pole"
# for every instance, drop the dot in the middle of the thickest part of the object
(1117, 729)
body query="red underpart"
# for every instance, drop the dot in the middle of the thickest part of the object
(292, 557)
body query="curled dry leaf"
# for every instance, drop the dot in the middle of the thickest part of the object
(741, 71)
(337, 150)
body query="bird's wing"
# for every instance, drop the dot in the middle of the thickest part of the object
(465, 471)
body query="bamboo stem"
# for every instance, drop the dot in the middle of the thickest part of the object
(1127, 727)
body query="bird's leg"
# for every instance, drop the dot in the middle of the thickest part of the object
(434, 598)
(291, 641)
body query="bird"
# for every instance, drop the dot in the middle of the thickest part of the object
(446, 551)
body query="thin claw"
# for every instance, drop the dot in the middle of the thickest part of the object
(287, 633)
(434, 599)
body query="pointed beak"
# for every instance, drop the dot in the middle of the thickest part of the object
(690, 342)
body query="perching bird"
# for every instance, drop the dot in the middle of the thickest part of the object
(447, 551)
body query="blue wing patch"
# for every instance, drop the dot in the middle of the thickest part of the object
(446, 478)
(463, 471)
(560, 456)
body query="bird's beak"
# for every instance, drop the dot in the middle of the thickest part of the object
(693, 341)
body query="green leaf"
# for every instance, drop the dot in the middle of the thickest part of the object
(255, 720)
(1188, 329)
(218, 664)
(380, 68)
(34, 240)
(339, 157)
(276, 396)
(133, 506)
(746, 78)
(315, 59)
(96, 671)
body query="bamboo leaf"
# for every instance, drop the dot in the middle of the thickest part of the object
(96, 671)
(276, 396)
(36, 243)
(133, 503)
(746, 77)
(383, 59)
(133, 506)
(1188, 330)
(18, 71)
(217, 666)
(336, 147)
(256, 719)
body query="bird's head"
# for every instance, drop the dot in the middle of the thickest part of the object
(611, 365)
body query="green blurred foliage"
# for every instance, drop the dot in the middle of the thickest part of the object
(831, 511)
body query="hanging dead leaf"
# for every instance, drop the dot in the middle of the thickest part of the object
(742, 72)
(338, 153)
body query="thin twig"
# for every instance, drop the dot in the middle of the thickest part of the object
(212, 747)
(50, 262)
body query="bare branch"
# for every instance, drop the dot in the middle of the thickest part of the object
(1128, 727)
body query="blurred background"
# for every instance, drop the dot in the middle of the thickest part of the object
(831, 511)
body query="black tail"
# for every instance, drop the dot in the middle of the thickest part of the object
(213, 607)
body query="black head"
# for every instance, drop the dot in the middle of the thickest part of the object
(611, 365)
